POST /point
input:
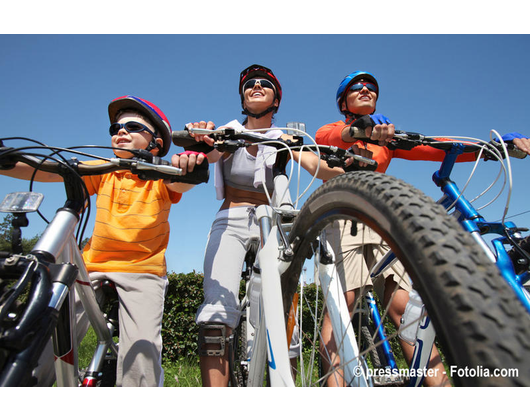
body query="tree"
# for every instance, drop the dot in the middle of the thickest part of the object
(6, 231)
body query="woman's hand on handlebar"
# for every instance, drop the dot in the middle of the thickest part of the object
(355, 149)
(202, 137)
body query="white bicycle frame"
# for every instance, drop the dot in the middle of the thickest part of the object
(269, 339)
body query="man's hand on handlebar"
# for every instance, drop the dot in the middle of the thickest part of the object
(522, 144)
(383, 130)
(376, 127)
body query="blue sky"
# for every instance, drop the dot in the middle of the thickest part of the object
(56, 88)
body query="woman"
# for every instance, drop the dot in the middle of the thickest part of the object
(240, 179)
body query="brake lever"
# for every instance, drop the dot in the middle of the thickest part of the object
(405, 140)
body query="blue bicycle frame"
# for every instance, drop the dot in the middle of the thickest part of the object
(476, 225)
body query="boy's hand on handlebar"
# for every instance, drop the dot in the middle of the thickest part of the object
(202, 137)
(187, 161)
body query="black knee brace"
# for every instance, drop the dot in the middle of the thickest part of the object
(205, 339)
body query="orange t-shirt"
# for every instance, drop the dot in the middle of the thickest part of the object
(131, 230)
(331, 135)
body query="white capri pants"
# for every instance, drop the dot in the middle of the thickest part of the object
(228, 242)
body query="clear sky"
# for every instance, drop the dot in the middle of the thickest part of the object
(56, 88)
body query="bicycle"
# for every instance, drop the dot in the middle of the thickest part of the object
(513, 262)
(444, 264)
(39, 291)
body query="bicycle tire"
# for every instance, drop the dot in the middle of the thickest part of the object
(238, 355)
(480, 325)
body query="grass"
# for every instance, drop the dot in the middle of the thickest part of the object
(183, 373)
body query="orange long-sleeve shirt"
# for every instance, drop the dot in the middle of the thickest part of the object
(331, 135)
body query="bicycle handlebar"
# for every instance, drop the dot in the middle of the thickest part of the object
(229, 140)
(406, 140)
(156, 169)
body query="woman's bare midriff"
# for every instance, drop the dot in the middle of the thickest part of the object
(236, 198)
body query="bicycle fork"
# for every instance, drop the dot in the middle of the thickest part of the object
(53, 244)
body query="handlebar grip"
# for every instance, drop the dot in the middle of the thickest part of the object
(513, 151)
(358, 133)
(200, 174)
(517, 153)
(355, 166)
(6, 163)
(183, 139)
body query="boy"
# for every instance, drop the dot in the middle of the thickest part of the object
(131, 234)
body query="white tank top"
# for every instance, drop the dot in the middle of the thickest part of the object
(238, 172)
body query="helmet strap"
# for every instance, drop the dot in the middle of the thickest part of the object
(153, 144)
(351, 117)
(261, 114)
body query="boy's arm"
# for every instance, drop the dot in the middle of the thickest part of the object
(24, 171)
(179, 187)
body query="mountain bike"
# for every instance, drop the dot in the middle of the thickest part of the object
(509, 250)
(41, 291)
(477, 327)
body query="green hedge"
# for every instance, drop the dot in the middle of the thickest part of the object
(183, 298)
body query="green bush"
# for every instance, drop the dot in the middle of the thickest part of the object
(179, 331)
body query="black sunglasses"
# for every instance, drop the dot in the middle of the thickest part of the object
(130, 126)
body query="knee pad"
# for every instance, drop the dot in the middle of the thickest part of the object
(212, 339)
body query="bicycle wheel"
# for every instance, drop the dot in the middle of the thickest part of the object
(238, 363)
(482, 330)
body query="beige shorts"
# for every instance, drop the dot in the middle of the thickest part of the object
(356, 254)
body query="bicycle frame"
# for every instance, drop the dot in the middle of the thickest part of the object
(58, 240)
(476, 225)
(270, 336)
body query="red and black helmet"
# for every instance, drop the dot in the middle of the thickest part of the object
(150, 110)
(258, 71)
